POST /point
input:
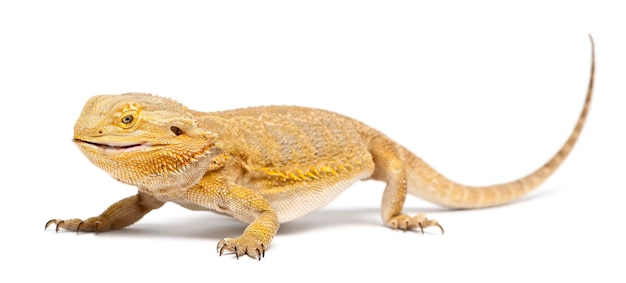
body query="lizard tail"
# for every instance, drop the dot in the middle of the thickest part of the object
(428, 184)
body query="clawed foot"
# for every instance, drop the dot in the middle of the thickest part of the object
(93, 224)
(245, 244)
(405, 222)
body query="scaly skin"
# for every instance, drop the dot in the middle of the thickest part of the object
(263, 165)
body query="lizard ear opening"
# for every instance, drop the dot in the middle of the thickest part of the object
(176, 130)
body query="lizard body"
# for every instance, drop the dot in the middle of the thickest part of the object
(263, 165)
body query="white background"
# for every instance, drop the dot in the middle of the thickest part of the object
(484, 92)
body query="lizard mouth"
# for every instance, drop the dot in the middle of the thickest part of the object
(114, 148)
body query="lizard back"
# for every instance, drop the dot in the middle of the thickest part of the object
(299, 158)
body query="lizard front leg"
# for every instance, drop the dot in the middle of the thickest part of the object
(255, 239)
(119, 215)
(244, 204)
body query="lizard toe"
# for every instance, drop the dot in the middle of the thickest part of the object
(93, 224)
(406, 222)
(243, 245)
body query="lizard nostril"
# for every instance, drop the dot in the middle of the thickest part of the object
(100, 131)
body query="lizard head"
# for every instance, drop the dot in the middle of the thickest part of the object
(143, 140)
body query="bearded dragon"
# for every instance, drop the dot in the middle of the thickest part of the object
(264, 165)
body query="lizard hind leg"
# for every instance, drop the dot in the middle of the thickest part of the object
(390, 168)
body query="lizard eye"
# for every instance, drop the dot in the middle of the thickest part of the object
(127, 119)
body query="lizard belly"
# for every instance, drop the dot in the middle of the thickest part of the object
(298, 199)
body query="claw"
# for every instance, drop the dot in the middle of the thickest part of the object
(441, 228)
(262, 250)
(58, 226)
(220, 247)
(50, 222)
(78, 227)
(421, 227)
(239, 249)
